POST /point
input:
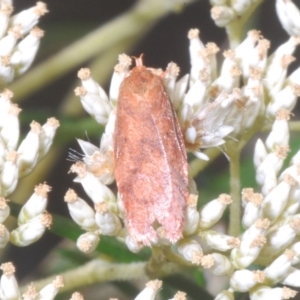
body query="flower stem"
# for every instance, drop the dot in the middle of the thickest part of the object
(94, 272)
(236, 28)
(234, 152)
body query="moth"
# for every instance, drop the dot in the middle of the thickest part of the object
(151, 168)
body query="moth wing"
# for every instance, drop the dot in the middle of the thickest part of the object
(150, 162)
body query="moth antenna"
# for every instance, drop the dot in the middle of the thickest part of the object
(138, 60)
(74, 155)
(224, 152)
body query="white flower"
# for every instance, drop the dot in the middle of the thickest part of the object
(218, 264)
(4, 209)
(95, 189)
(191, 220)
(4, 236)
(28, 18)
(31, 231)
(8, 282)
(35, 205)
(80, 211)
(108, 222)
(222, 15)
(93, 97)
(289, 16)
(244, 280)
(28, 150)
(225, 295)
(46, 293)
(279, 268)
(219, 241)
(149, 292)
(190, 250)
(213, 211)
(265, 293)
(87, 242)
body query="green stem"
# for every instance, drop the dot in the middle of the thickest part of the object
(97, 271)
(235, 29)
(234, 152)
(164, 262)
(94, 272)
(234, 33)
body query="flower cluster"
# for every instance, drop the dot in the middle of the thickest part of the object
(9, 287)
(250, 90)
(17, 56)
(17, 161)
(271, 221)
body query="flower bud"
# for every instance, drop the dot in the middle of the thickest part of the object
(5, 11)
(190, 250)
(217, 264)
(10, 131)
(95, 189)
(8, 43)
(274, 203)
(47, 136)
(4, 236)
(4, 209)
(50, 290)
(289, 16)
(260, 153)
(26, 50)
(279, 268)
(281, 237)
(80, 211)
(28, 18)
(108, 222)
(8, 282)
(31, 231)
(280, 133)
(224, 295)
(77, 296)
(169, 80)
(219, 241)
(292, 278)
(88, 242)
(244, 280)
(262, 292)
(179, 296)
(120, 72)
(93, 97)
(133, 245)
(211, 213)
(222, 15)
(252, 210)
(35, 205)
(252, 242)
(10, 172)
(28, 150)
(191, 219)
(149, 292)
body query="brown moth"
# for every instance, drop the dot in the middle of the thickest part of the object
(151, 166)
